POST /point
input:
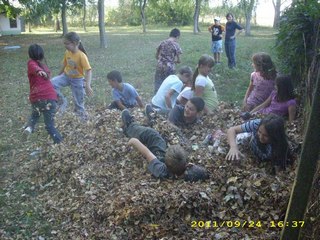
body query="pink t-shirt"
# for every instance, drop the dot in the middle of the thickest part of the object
(279, 108)
(262, 89)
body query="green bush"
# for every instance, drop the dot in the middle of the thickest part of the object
(295, 38)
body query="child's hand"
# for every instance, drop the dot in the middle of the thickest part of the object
(89, 90)
(234, 154)
(42, 74)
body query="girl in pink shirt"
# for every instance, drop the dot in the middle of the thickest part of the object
(281, 101)
(261, 81)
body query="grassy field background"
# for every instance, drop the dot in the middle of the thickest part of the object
(130, 52)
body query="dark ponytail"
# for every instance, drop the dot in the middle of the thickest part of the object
(75, 38)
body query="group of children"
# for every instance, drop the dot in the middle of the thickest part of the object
(182, 97)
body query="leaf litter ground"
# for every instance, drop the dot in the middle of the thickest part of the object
(93, 186)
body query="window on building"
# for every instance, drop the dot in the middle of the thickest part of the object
(13, 23)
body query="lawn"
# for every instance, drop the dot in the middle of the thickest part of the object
(31, 186)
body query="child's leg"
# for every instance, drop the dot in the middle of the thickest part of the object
(49, 109)
(35, 115)
(78, 93)
(58, 82)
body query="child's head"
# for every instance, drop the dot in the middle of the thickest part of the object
(272, 131)
(229, 17)
(175, 33)
(284, 88)
(205, 64)
(175, 159)
(115, 79)
(36, 52)
(193, 107)
(262, 63)
(185, 74)
(72, 42)
(217, 21)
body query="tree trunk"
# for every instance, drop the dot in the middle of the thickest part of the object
(102, 30)
(309, 160)
(57, 24)
(248, 24)
(276, 19)
(196, 28)
(143, 16)
(64, 18)
(84, 16)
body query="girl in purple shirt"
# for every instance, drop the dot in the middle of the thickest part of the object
(281, 101)
(261, 81)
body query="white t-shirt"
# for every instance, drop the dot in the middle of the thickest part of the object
(209, 94)
(172, 82)
(186, 93)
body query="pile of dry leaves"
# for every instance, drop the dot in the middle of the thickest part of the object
(94, 186)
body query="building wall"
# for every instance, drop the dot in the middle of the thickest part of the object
(8, 29)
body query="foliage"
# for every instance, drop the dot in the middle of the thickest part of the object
(177, 12)
(294, 40)
(7, 8)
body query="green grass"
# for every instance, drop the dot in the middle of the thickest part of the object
(130, 52)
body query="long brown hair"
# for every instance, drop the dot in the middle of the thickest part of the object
(205, 60)
(264, 65)
(75, 38)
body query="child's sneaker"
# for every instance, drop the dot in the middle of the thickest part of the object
(150, 113)
(126, 118)
(26, 133)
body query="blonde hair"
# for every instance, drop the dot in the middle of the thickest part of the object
(175, 159)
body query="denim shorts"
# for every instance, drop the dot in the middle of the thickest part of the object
(216, 46)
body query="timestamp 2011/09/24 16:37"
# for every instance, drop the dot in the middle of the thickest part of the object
(246, 224)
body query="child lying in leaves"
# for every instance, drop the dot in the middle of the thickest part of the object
(163, 162)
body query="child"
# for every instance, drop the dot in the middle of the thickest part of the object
(166, 96)
(168, 54)
(261, 81)
(203, 86)
(124, 94)
(268, 140)
(42, 95)
(216, 34)
(75, 67)
(230, 40)
(185, 94)
(281, 101)
(183, 116)
(163, 162)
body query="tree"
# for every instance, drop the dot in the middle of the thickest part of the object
(84, 15)
(196, 15)
(247, 6)
(142, 6)
(102, 31)
(277, 11)
(7, 8)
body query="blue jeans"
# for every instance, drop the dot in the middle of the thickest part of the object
(48, 109)
(77, 89)
(230, 47)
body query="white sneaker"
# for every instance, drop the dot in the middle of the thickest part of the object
(26, 132)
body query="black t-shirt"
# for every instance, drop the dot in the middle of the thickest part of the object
(216, 31)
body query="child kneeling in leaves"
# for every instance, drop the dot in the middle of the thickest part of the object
(163, 162)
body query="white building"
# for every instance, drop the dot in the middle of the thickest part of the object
(10, 26)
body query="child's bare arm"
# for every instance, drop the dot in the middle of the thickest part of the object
(139, 101)
(146, 153)
(249, 90)
(88, 78)
(265, 104)
(120, 105)
(234, 153)
(168, 98)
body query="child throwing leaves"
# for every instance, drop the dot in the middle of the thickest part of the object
(42, 95)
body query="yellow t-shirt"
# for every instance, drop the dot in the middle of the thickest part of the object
(75, 64)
